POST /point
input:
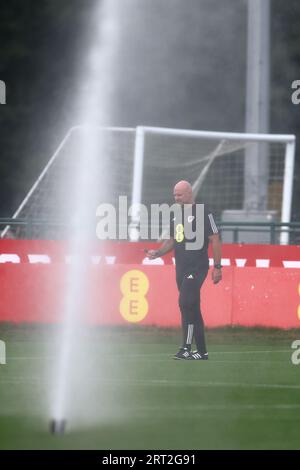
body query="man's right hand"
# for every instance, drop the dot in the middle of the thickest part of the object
(152, 254)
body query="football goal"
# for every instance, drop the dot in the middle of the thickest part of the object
(251, 173)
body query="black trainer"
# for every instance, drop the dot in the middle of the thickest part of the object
(196, 356)
(183, 353)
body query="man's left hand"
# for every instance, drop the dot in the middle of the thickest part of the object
(216, 275)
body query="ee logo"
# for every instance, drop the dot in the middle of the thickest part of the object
(134, 286)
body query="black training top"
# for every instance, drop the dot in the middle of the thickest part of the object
(190, 227)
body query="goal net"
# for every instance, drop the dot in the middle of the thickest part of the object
(228, 171)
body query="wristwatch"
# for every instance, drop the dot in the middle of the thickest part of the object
(217, 266)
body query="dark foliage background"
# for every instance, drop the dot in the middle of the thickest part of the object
(41, 43)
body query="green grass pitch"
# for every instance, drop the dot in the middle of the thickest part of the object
(246, 396)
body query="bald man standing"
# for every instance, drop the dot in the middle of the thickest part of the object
(192, 265)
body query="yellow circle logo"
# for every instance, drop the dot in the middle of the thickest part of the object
(299, 305)
(134, 286)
